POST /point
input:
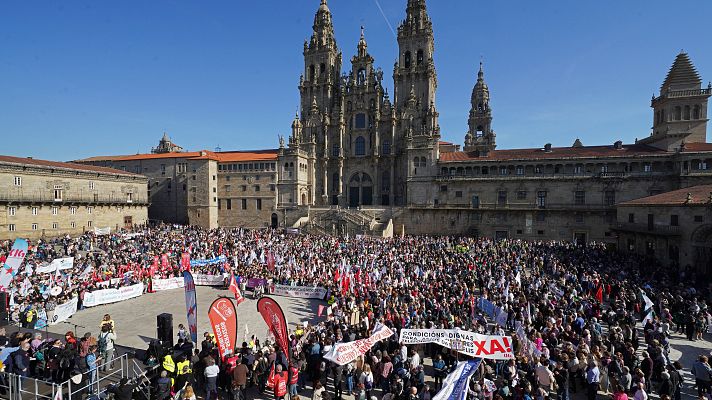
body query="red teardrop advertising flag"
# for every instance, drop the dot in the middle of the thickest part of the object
(223, 319)
(274, 317)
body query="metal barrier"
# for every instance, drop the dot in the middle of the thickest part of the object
(95, 382)
(17, 387)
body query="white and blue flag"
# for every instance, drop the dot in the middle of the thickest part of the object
(455, 386)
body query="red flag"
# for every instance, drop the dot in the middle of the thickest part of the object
(270, 261)
(223, 319)
(235, 290)
(599, 294)
(320, 310)
(164, 261)
(220, 249)
(227, 267)
(337, 276)
(185, 261)
(274, 317)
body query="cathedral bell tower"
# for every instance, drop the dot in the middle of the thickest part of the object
(322, 63)
(480, 137)
(414, 73)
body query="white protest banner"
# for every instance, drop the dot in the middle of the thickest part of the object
(304, 292)
(470, 343)
(159, 285)
(344, 353)
(208, 280)
(176, 283)
(58, 264)
(106, 296)
(456, 384)
(63, 311)
(102, 231)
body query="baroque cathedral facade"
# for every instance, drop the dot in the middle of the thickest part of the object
(350, 144)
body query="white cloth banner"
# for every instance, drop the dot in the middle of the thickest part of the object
(470, 343)
(304, 292)
(176, 283)
(344, 353)
(102, 231)
(58, 264)
(159, 285)
(208, 280)
(63, 311)
(106, 296)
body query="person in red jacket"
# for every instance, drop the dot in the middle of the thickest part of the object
(293, 379)
(280, 383)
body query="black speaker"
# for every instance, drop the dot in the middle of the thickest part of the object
(3, 309)
(164, 324)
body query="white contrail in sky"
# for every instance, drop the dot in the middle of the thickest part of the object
(386, 18)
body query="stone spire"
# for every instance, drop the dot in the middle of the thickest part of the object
(682, 75)
(480, 136)
(323, 29)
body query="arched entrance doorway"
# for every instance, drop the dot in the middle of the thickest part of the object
(360, 190)
(275, 221)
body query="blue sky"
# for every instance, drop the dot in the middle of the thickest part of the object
(83, 78)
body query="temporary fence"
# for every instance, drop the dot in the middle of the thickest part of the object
(90, 383)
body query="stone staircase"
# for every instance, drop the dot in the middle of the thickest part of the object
(348, 221)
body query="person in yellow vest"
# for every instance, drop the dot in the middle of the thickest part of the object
(183, 372)
(169, 365)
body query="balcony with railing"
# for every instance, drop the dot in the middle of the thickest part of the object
(70, 198)
(652, 229)
(684, 93)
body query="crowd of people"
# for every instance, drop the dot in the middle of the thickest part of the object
(574, 312)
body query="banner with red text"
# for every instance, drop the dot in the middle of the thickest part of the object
(344, 353)
(274, 317)
(12, 263)
(223, 319)
(469, 343)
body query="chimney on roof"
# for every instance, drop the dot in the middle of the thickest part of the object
(618, 145)
(547, 148)
(29, 158)
(688, 200)
(577, 143)
(709, 200)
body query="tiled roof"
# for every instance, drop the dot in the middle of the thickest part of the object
(682, 73)
(555, 153)
(225, 156)
(695, 147)
(134, 157)
(700, 196)
(64, 165)
(240, 156)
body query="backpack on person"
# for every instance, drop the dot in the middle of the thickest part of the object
(10, 363)
(103, 342)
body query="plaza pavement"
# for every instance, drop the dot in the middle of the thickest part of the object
(135, 319)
